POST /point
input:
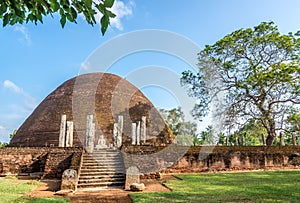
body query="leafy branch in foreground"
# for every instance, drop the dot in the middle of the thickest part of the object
(20, 11)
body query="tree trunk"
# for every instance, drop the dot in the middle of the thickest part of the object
(227, 144)
(263, 140)
(294, 139)
(236, 141)
(281, 139)
(270, 139)
(271, 131)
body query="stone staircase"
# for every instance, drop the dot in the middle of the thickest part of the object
(104, 168)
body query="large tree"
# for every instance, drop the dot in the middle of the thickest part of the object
(256, 74)
(184, 131)
(20, 11)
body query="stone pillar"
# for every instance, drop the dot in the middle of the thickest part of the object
(132, 176)
(62, 132)
(236, 141)
(133, 134)
(115, 134)
(120, 124)
(281, 139)
(120, 131)
(294, 139)
(138, 133)
(243, 140)
(89, 134)
(143, 130)
(69, 135)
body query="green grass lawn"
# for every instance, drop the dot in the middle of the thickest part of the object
(271, 186)
(14, 191)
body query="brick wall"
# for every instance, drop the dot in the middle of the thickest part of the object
(51, 161)
(218, 158)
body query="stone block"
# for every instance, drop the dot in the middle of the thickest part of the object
(69, 180)
(138, 187)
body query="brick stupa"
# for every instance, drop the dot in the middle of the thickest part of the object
(106, 96)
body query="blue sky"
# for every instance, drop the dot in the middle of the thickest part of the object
(37, 59)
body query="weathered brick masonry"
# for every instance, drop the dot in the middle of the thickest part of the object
(218, 158)
(51, 161)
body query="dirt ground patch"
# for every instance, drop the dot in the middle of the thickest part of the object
(48, 188)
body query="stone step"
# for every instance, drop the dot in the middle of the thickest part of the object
(101, 184)
(109, 164)
(102, 162)
(103, 167)
(99, 170)
(102, 158)
(101, 180)
(92, 176)
(108, 174)
(103, 152)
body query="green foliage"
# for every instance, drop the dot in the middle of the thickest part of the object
(252, 132)
(3, 144)
(255, 71)
(17, 11)
(184, 131)
(293, 121)
(12, 134)
(207, 137)
(272, 186)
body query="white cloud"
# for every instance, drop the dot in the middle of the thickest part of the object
(14, 113)
(25, 34)
(12, 86)
(4, 134)
(29, 101)
(121, 10)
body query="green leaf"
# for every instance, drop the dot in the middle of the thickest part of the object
(40, 17)
(109, 3)
(104, 24)
(88, 3)
(6, 19)
(3, 8)
(69, 17)
(30, 17)
(54, 5)
(100, 8)
(63, 21)
(110, 14)
(73, 13)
